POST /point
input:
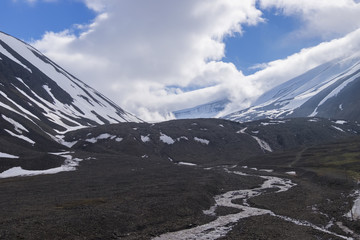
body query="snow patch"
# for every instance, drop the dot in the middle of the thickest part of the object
(187, 164)
(182, 138)
(337, 128)
(20, 172)
(100, 137)
(203, 141)
(313, 120)
(6, 155)
(59, 153)
(263, 145)
(340, 122)
(70, 164)
(291, 173)
(354, 213)
(22, 137)
(20, 80)
(166, 139)
(242, 131)
(272, 122)
(145, 139)
(59, 139)
(18, 127)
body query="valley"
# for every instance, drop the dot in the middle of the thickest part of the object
(140, 181)
(74, 165)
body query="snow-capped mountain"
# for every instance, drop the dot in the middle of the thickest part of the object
(208, 110)
(330, 90)
(38, 95)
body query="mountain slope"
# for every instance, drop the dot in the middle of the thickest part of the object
(329, 90)
(141, 180)
(36, 88)
(209, 141)
(39, 103)
(208, 110)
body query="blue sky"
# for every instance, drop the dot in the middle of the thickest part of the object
(154, 57)
(29, 21)
(265, 42)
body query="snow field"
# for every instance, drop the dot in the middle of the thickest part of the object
(70, 164)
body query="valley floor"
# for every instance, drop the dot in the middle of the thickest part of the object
(188, 179)
(123, 197)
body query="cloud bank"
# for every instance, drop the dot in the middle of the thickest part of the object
(153, 57)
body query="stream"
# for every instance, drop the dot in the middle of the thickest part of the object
(223, 224)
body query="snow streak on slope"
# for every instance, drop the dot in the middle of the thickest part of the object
(6, 155)
(49, 91)
(263, 145)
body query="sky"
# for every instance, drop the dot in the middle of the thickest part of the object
(154, 57)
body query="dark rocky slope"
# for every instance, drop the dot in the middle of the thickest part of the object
(127, 187)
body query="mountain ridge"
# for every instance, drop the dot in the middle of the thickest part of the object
(328, 90)
(320, 92)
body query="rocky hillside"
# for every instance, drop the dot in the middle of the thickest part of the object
(180, 178)
(209, 142)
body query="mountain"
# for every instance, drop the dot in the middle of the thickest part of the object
(38, 95)
(208, 110)
(209, 141)
(39, 103)
(329, 90)
(73, 165)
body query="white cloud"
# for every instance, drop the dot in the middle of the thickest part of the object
(143, 54)
(135, 50)
(322, 18)
(96, 5)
